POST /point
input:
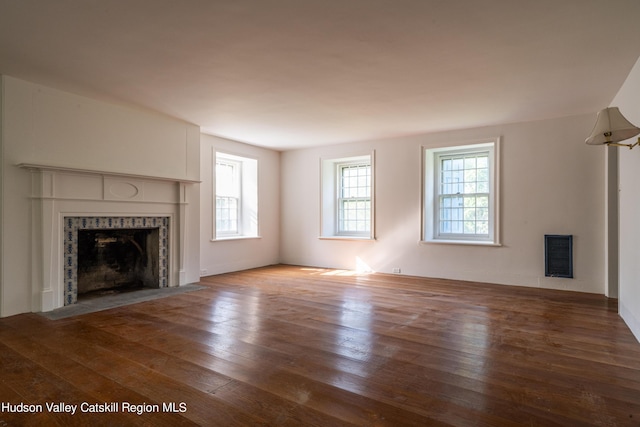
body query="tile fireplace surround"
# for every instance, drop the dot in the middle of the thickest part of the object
(73, 224)
(65, 200)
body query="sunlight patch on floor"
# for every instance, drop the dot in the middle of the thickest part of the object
(360, 268)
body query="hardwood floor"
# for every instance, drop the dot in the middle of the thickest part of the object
(294, 346)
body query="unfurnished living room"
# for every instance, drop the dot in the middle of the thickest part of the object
(319, 213)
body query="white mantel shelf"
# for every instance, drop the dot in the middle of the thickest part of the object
(52, 168)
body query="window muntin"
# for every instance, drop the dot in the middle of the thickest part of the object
(354, 198)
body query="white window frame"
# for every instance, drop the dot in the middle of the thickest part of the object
(247, 183)
(331, 197)
(432, 158)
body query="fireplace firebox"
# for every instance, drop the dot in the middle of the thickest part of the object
(114, 261)
(104, 254)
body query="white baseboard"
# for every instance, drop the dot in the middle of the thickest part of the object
(632, 321)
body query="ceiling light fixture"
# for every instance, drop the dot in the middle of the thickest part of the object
(612, 127)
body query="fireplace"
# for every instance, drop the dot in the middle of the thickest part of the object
(66, 202)
(113, 254)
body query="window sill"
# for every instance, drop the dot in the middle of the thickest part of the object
(357, 238)
(460, 242)
(226, 238)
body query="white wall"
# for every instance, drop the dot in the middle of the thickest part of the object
(49, 127)
(627, 100)
(552, 183)
(222, 256)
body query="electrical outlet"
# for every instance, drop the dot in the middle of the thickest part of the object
(396, 270)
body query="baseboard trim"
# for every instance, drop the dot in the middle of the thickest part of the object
(632, 321)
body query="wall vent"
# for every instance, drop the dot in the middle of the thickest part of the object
(558, 255)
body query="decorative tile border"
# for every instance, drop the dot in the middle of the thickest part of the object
(74, 223)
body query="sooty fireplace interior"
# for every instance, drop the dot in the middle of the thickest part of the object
(117, 260)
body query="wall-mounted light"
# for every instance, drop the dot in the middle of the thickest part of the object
(612, 127)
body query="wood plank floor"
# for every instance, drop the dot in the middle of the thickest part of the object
(294, 346)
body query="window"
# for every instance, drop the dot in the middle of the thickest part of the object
(347, 197)
(460, 194)
(354, 198)
(227, 196)
(236, 196)
(463, 194)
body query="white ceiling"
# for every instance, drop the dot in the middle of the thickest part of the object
(297, 73)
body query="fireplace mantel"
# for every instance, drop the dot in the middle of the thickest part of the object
(63, 192)
(51, 168)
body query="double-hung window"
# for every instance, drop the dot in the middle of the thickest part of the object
(236, 196)
(461, 194)
(228, 185)
(347, 197)
(354, 198)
